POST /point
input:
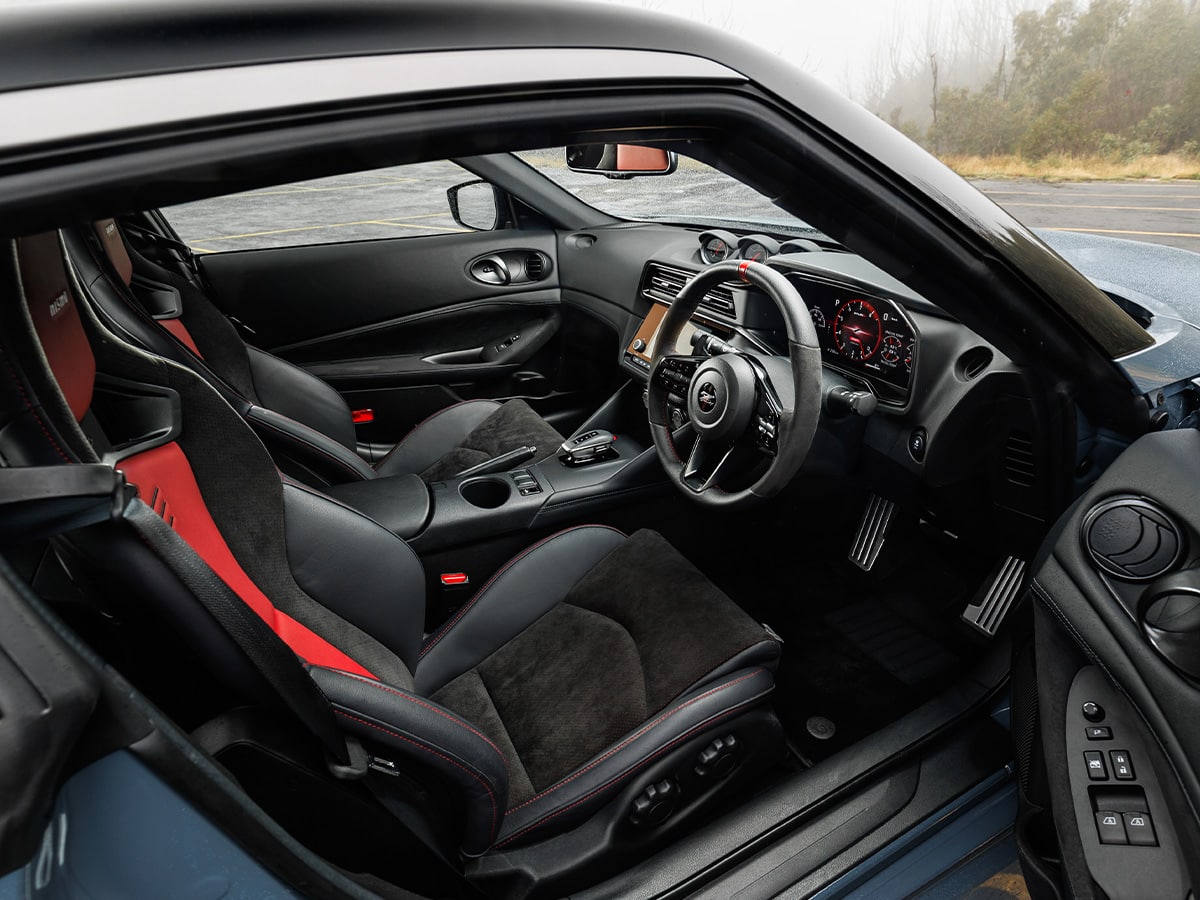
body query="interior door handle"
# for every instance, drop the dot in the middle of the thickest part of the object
(491, 270)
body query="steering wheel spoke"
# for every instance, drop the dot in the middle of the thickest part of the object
(704, 464)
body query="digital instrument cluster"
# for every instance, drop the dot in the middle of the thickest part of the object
(862, 334)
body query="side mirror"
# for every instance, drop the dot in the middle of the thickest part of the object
(621, 160)
(475, 205)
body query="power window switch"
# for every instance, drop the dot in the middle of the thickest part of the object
(1140, 829)
(1122, 765)
(1096, 769)
(1098, 733)
(1111, 828)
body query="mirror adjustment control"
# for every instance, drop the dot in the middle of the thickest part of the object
(1093, 711)
(1111, 827)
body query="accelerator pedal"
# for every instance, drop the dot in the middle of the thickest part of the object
(872, 532)
(994, 599)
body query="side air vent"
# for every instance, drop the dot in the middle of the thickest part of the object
(972, 363)
(1132, 539)
(1020, 461)
(535, 267)
(664, 283)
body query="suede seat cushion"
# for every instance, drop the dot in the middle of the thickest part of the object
(641, 627)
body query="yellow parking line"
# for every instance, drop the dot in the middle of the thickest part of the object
(200, 249)
(304, 189)
(421, 227)
(1182, 234)
(251, 234)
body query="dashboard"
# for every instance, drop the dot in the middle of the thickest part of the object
(865, 335)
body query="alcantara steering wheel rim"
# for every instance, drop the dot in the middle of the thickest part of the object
(737, 399)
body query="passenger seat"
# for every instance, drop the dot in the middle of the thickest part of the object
(304, 422)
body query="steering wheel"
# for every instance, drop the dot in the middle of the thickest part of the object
(742, 404)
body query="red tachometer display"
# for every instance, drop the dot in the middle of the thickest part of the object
(857, 330)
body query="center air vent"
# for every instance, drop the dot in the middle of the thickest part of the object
(1132, 539)
(664, 283)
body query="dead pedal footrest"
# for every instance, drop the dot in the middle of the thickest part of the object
(995, 598)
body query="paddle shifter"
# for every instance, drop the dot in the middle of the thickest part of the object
(587, 448)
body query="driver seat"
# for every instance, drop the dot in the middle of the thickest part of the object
(598, 691)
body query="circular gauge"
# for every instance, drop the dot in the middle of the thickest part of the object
(891, 350)
(714, 250)
(857, 330)
(818, 318)
(755, 252)
(908, 354)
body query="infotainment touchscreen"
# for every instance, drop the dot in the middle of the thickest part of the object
(641, 349)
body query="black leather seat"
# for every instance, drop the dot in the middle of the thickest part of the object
(303, 421)
(591, 671)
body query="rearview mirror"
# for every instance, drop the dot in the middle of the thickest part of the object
(621, 160)
(474, 204)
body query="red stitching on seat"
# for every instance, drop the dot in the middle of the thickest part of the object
(421, 746)
(16, 377)
(633, 737)
(508, 565)
(433, 709)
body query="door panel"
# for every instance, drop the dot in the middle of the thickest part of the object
(405, 327)
(1118, 593)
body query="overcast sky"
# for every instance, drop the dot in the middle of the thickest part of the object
(835, 41)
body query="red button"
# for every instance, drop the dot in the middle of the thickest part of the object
(362, 416)
(452, 579)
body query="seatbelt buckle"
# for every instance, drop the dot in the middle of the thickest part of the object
(362, 416)
(356, 768)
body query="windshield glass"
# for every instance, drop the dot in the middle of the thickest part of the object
(695, 193)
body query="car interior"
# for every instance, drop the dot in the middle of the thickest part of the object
(539, 554)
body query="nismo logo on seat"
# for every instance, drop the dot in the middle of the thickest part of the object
(58, 304)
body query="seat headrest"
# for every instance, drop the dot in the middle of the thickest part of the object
(54, 310)
(109, 233)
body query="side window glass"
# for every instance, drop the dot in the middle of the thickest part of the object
(399, 201)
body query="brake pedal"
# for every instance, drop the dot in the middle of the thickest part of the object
(994, 599)
(872, 532)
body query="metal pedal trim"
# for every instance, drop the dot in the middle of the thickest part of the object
(872, 532)
(990, 606)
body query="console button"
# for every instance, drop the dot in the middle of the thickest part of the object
(1111, 828)
(1140, 829)
(1098, 733)
(1093, 712)
(1122, 765)
(1095, 765)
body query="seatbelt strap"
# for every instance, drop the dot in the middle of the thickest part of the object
(277, 664)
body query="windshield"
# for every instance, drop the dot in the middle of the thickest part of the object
(695, 193)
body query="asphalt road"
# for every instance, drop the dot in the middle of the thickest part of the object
(1161, 212)
(411, 200)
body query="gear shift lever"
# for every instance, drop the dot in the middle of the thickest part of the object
(589, 447)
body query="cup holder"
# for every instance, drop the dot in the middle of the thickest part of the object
(486, 493)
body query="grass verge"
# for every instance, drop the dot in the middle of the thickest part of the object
(1076, 168)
